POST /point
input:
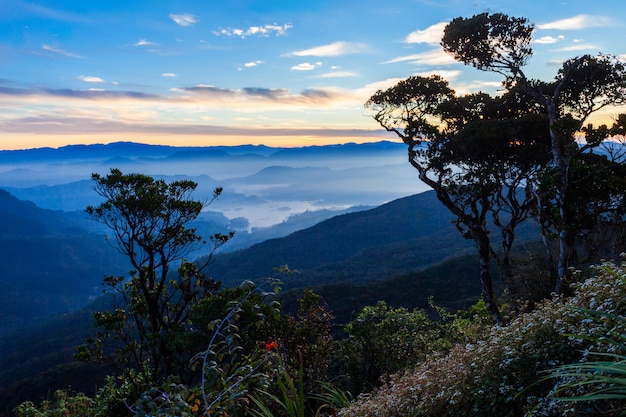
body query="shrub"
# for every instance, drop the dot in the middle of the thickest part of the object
(501, 375)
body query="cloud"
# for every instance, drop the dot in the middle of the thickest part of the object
(580, 21)
(60, 51)
(549, 39)
(306, 66)
(449, 75)
(431, 35)
(432, 57)
(260, 31)
(338, 74)
(90, 79)
(183, 19)
(143, 42)
(252, 64)
(40, 94)
(169, 75)
(208, 89)
(580, 47)
(268, 93)
(252, 97)
(334, 49)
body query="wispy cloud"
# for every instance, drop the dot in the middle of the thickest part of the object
(431, 35)
(169, 75)
(183, 19)
(252, 64)
(306, 66)
(449, 75)
(261, 31)
(334, 49)
(251, 97)
(91, 79)
(143, 42)
(581, 47)
(30, 8)
(338, 74)
(549, 39)
(59, 51)
(432, 57)
(95, 94)
(580, 21)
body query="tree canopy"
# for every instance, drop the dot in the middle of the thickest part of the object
(149, 220)
(486, 156)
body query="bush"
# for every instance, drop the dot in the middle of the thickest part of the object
(502, 374)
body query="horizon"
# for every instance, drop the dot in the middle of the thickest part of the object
(281, 74)
(183, 146)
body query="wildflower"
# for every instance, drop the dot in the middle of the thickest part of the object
(271, 344)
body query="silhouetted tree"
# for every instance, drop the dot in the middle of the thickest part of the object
(475, 152)
(148, 219)
(583, 85)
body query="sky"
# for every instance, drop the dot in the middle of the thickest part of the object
(273, 72)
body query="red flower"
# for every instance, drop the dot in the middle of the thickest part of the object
(271, 344)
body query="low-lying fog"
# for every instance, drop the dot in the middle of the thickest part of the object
(263, 185)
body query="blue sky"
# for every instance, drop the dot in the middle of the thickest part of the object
(281, 73)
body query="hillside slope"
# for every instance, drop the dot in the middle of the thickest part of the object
(48, 263)
(404, 235)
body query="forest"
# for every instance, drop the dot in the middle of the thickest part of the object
(546, 338)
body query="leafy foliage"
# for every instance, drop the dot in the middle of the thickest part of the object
(148, 219)
(502, 373)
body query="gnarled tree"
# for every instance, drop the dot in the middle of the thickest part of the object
(583, 85)
(149, 220)
(467, 149)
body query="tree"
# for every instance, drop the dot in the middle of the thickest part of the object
(148, 219)
(467, 149)
(583, 85)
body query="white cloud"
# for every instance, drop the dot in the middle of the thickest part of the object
(549, 39)
(169, 75)
(90, 79)
(334, 49)
(445, 74)
(431, 35)
(581, 47)
(143, 42)
(306, 66)
(183, 19)
(580, 21)
(338, 74)
(252, 64)
(262, 31)
(432, 57)
(60, 51)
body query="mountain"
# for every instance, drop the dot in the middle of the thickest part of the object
(404, 235)
(401, 252)
(49, 263)
(401, 237)
(261, 184)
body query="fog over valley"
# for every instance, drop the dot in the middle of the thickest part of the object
(262, 186)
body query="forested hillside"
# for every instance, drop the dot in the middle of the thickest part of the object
(49, 263)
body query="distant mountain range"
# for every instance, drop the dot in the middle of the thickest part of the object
(262, 185)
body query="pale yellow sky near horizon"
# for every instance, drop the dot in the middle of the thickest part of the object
(290, 138)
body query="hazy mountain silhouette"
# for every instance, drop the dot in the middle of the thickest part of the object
(49, 263)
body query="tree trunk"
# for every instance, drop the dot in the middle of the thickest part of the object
(560, 164)
(486, 281)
